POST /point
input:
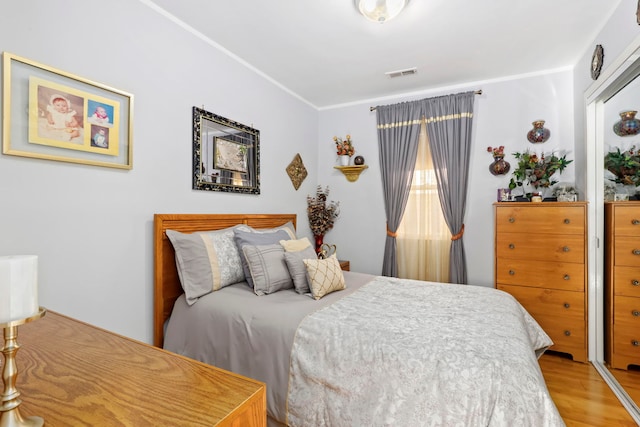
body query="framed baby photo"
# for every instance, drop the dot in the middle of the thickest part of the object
(53, 115)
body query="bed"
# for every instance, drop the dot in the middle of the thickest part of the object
(381, 352)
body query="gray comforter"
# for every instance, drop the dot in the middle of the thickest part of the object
(382, 352)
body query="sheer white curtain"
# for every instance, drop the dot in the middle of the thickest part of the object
(423, 238)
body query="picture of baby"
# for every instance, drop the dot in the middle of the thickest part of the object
(61, 118)
(100, 114)
(99, 137)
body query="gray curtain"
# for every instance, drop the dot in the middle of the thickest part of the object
(398, 133)
(449, 119)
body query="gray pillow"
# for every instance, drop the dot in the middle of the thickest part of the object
(298, 270)
(206, 261)
(256, 237)
(269, 272)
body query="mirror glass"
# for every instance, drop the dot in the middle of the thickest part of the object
(608, 103)
(226, 154)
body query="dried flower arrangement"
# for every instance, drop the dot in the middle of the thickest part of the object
(344, 148)
(496, 151)
(321, 213)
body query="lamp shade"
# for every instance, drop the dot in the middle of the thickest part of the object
(380, 10)
(18, 287)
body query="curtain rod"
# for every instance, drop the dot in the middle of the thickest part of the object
(477, 92)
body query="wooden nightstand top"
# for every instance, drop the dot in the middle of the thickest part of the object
(72, 373)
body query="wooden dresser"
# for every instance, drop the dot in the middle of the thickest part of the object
(74, 374)
(541, 259)
(622, 284)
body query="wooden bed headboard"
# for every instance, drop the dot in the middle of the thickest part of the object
(167, 286)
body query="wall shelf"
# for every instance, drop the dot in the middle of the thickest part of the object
(351, 172)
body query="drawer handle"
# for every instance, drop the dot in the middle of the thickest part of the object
(566, 277)
(635, 313)
(636, 251)
(511, 272)
(512, 246)
(567, 221)
(565, 249)
(635, 283)
(512, 220)
(567, 305)
(567, 333)
(635, 221)
(635, 343)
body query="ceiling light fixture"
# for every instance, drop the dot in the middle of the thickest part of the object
(380, 10)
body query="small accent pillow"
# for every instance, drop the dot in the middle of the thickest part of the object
(324, 275)
(269, 271)
(206, 261)
(297, 269)
(259, 237)
(295, 245)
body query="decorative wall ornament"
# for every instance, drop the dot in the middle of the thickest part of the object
(499, 166)
(628, 124)
(596, 62)
(539, 133)
(296, 171)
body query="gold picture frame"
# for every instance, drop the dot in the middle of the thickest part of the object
(54, 115)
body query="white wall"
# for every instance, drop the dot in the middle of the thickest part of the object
(503, 115)
(92, 227)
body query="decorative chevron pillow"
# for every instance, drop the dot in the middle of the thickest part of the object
(324, 275)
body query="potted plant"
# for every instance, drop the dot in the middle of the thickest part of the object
(624, 165)
(535, 171)
(322, 214)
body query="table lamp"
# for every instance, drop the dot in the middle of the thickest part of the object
(18, 305)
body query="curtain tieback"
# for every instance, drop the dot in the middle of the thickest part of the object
(391, 233)
(459, 235)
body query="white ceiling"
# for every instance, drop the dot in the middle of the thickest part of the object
(327, 54)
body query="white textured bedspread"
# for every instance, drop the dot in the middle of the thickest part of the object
(409, 353)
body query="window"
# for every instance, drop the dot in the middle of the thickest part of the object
(423, 238)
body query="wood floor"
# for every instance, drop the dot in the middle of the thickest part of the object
(581, 395)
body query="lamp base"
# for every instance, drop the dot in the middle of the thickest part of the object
(9, 400)
(12, 418)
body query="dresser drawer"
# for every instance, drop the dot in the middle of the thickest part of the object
(540, 247)
(541, 219)
(626, 326)
(627, 221)
(627, 281)
(627, 251)
(561, 315)
(556, 275)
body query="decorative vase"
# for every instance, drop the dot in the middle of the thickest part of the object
(499, 166)
(319, 238)
(539, 133)
(358, 160)
(628, 124)
(344, 160)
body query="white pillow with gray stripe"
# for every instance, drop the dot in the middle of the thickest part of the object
(207, 261)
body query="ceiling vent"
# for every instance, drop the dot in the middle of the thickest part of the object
(402, 73)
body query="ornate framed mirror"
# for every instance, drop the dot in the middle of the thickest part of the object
(226, 154)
